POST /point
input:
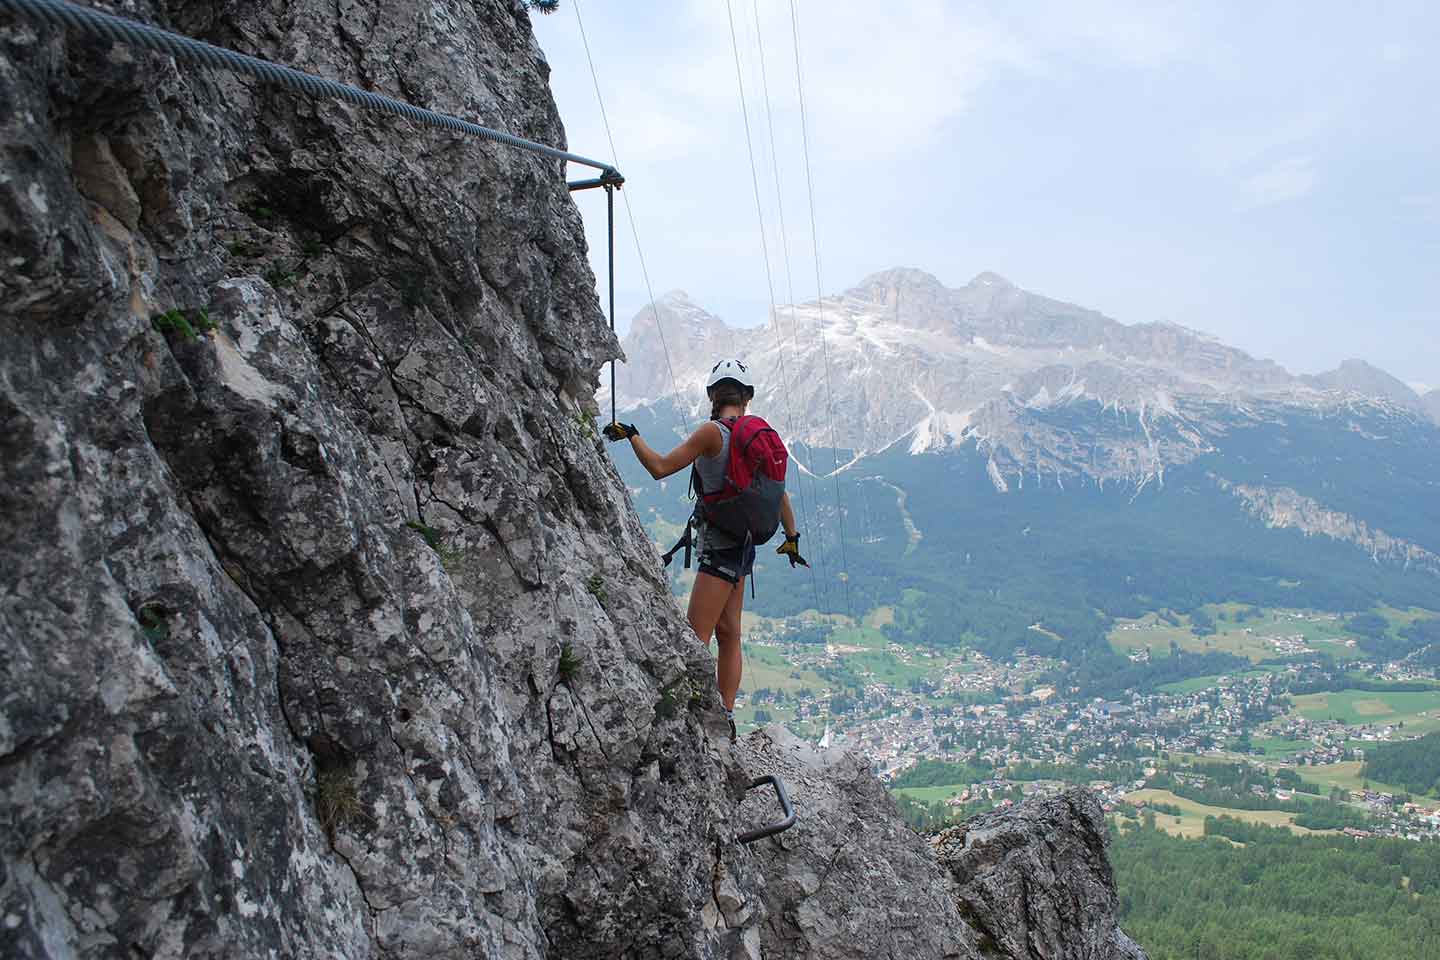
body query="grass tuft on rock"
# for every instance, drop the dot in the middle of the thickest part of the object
(337, 799)
(569, 666)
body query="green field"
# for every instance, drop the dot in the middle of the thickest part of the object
(1239, 629)
(1191, 822)
(1276, 747)
(879, 617)
(1190, 686)
(767, 667)
(1418, 710)
(1344, 775)
(866, 654)
(1201, 683)
(928, 795)
(1403, 618)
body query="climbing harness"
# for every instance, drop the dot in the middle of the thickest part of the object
(687, 540)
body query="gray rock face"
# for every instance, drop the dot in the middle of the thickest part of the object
(1432, 404)
(1359, 377)
(1034, 881)
(849, 880)
(1283, 507)
(328, 632)
(328, 629)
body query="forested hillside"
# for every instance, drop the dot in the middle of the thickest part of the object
(1047, 567)
(1258, 893)
(1413, 764)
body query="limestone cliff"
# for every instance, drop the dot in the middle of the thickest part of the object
(327, 627)
(1284, 508)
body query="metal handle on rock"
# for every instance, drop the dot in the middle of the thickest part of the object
(779, 826)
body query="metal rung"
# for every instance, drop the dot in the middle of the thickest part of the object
(779, 826)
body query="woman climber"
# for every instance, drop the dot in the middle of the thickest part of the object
(731, 513)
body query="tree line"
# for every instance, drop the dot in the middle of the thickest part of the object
(1277, 897)
(1412, 764)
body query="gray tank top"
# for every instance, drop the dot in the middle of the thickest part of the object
(711, 470)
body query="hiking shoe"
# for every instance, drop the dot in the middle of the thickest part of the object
(730, 719)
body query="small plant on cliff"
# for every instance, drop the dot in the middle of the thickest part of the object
(430, 534)
(175, 321)
(544, 6)
(596, 586)
(337, 799)
(569, 666)
(586, 422)
(448, 555)
(279, 278)
(411, 288)
(671, 697)
(153, 622)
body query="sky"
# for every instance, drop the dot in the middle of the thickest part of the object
(1266, 173)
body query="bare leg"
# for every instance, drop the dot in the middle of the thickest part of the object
(727, 632)
(715, 611)
(707, 602)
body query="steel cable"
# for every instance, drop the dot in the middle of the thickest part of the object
(820, 294)
(765, 253)
(634, 231)
(785, 258)
(133, 33)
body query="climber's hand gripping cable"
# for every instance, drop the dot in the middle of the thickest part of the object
(620, 431)
(790, 550)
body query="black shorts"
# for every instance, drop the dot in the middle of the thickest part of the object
(722, 556)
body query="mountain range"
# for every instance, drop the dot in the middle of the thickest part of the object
(1004, 437)
(900, 358)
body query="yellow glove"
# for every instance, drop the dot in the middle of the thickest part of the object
(790, 550)
(620, 431)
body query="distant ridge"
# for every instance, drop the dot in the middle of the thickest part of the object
(1357, 376)
(989, 364)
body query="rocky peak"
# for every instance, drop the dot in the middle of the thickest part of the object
(1003, 313)
(1357, 376)
(906, 296)
(882, 286)
(677, 335)
(988, 278)
(1030, 883)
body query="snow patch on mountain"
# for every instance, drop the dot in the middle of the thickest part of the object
(996, 477)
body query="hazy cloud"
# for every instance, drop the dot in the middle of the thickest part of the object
(1105, 152)
(1283, 180)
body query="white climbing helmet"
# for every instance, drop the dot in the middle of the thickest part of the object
(731, 370)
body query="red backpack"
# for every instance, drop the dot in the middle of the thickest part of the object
(747, 506)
